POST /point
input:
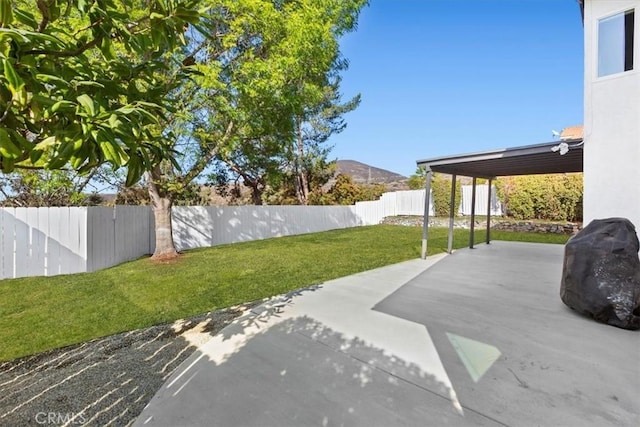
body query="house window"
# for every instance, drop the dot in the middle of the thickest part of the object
(615, 43)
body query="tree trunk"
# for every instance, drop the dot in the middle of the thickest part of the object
(256, 194)
(254, 185)
(161, 204)
(302, 184)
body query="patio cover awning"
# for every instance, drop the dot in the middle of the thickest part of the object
(525, 160)
(551, 157)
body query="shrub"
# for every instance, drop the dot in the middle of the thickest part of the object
(441, 193)
(417, 181)
(346, 192)
(556, 197)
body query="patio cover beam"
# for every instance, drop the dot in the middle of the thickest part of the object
(526, 160)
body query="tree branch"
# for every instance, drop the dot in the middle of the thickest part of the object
(6, 196)
(44, 10)
(204, 161)
(6, 113)
(99, 21)
(93, 43)
(80, 188)
(33, 168)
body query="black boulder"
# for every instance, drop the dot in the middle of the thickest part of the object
(601, 273)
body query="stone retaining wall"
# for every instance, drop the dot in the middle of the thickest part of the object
(496, 224)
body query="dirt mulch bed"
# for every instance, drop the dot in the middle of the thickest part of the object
(107, 381)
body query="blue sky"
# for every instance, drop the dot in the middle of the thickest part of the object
(441, 77)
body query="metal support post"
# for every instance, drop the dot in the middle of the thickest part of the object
(489, 211)
(425, 219)
(473, 213)
(451, 213)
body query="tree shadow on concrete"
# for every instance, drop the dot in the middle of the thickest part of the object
(297, 371)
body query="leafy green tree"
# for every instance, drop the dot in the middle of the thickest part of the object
(256, 162)
(346, 192)
(418, 180)
(441, 192)
(42, 188)
(314, 127)
(319, 172)
(313, 110)
(233, 98)
(298, 168)
(136, 195)
(85, 82)
(261, 66)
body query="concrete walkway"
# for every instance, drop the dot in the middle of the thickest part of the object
(476, 338)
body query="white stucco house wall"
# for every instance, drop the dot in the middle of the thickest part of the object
(611, 109)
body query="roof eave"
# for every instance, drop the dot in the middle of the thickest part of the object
(525, 160)
(503, 152)
(581, 3)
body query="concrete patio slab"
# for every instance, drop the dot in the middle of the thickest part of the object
(479, 337)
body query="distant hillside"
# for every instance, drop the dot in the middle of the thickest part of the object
(366, 174)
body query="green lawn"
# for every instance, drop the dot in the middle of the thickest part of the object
(38, 314)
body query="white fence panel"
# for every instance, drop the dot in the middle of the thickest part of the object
(411, 202)
(42, 241)
(245, 223)
(68, 235)
(54, 217)
(118, 234)
(42, 233)
(389, 202)
(22, 237)
(228, 225)
(37, 241)
(40, 238)
(192, 226)
(198, 226)
(481, 200)
(283, 223)
(75, 237)
(133, 225)
(370, 213)
(325, 218)
(8, 241)
(101, 238)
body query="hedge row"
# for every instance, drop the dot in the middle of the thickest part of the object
(441, 193)
(555, 197)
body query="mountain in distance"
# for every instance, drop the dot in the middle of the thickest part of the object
(367, 174)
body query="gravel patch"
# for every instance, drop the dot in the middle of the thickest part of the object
(104, 382)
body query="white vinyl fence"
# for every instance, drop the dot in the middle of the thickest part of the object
(51, 241)
(42, 241)
(411, 202)
(201, 226)
(482, 192)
